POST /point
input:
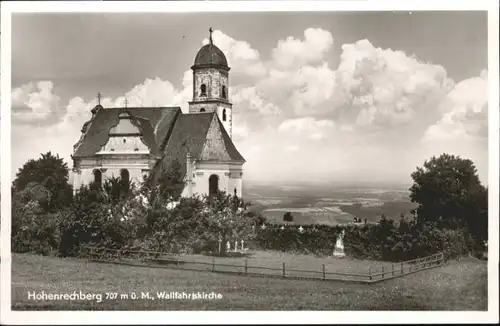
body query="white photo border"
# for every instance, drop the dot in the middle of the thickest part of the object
(257, 317)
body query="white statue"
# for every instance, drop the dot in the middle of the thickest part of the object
(242, 244)
(235, 245)
(339, 245)
(228, 246)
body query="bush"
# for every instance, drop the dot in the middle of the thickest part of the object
(34, 230)
(288, 217)
(383, 241)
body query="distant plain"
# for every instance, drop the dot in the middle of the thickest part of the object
(323, 204)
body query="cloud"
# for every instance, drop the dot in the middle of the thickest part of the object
(307, 127)
(302, 90)
(382, 88)
(294, 52)
(374, 107)
(252, 99)
(465, 112)
(34, 102)
(292, 148)
(240, 130)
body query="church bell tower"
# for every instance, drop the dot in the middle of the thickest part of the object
(211, 84)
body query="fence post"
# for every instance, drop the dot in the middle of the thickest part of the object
(246, 266)
(402, 267)
(370, 272)
(213, 264)
(177, 262)
(323, 267)
(392, 265)
(283, 269)
(382, 271)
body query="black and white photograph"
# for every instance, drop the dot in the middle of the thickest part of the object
(239, 160)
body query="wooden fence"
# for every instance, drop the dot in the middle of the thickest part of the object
(209, 264)
(406, 267)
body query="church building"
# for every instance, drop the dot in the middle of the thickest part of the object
(131, 142)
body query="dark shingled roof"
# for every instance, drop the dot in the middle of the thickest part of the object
(210, 55)
(155, 124)
(190, 135)
(168, 133)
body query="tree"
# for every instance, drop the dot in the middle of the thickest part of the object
(33, 229)
(165, 183)
(115, 190)
(288, 217)
(98, 216)
(224, 218)
(49, 175)
(449, 193)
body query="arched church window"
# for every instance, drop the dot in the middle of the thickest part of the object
(97, 177)
(224, 92)
(213, 185)
(202, 110)
(224, 118)
(203, 90)
(125, 176)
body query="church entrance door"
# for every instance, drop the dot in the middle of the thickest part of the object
(213, 185)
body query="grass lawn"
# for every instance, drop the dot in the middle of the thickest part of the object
(460, 285)
(298, 265)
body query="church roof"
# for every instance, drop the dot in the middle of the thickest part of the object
(167, 132)
(203, 136)
(154, 124)
(210, 55)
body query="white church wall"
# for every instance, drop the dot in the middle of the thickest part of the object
(109, 167)
(236, 182)
(202, 183)
(228, 125)
(86, 175)
(229, 177)
(135, 174)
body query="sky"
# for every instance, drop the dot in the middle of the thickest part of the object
(317, 97)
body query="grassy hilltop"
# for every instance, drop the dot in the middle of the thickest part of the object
(460, 285)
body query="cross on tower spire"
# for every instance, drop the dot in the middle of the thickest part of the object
(211, 31)
(99, 98)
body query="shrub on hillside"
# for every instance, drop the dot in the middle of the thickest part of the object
(98, 216)
(383, 241)
(33, 229)
(288, 217)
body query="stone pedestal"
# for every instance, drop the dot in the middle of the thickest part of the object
(339, 246)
